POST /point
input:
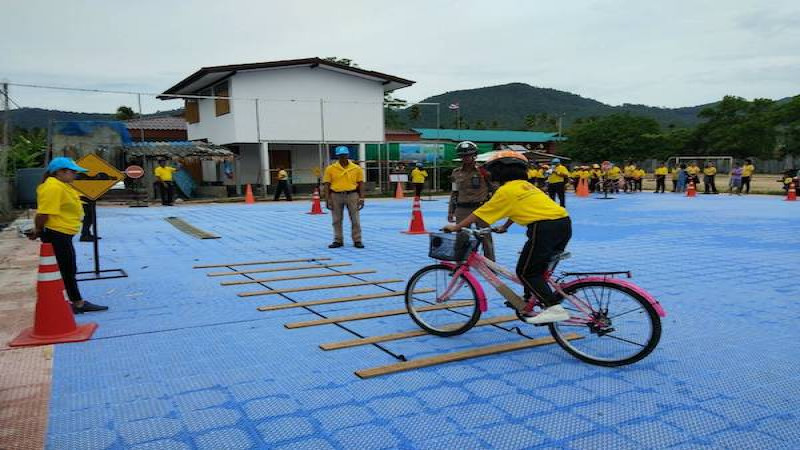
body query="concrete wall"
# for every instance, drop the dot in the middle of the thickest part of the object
(290, 109)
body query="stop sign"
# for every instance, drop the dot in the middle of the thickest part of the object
(134, 172)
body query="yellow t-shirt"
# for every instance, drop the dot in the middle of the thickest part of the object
(748, 170)
(165, 173)
(282, 175)
(639, 173)
(662, 171)
(62, 204)
(613, 173)
(710, 171)
(343, 179)
(675, 173)
(628, 171)
(418, 176)
(521, 202)
(692, 170)
(533, 173)
(558, 175)
(584, 174)
(597, 173)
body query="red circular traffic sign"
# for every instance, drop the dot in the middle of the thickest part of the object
(134, 172)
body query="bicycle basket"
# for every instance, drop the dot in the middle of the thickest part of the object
(451, 246)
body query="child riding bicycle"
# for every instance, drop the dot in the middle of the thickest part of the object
(549, 228)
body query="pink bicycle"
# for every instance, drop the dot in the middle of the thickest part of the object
(613, 322)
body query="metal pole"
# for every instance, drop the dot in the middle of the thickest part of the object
(6, 116)
(93, 205)
(265, 178)
(438, 139)
(141, 128)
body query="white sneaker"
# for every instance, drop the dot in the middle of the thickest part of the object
(555, 313)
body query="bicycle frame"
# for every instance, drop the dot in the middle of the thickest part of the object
(493, 272)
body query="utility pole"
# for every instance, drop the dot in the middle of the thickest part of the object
(6, 115)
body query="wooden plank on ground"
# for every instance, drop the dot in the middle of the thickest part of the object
(318, 287)
(392, 312)
(253, 263)
(457, 356)
(276, 269)
(403, 335)
(327, 301)
(297, 277)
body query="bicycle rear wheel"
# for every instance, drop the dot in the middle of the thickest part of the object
(622, 329)
(440, 304)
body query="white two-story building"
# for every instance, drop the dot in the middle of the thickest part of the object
(287, 114)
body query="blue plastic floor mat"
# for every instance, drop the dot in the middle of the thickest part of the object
(180, 361)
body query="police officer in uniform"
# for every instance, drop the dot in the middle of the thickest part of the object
(471, 189)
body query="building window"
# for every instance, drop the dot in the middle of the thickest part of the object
(222, 105)
(191, 111)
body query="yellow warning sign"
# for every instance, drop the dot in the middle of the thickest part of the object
(101, 176)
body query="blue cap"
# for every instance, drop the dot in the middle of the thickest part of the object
(419, 164)
(555, 161)
(62, 162)
(342, 150)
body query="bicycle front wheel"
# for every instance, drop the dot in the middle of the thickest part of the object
(441, 304)
(622, 329)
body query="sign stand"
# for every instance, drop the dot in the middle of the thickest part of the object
(97, 273)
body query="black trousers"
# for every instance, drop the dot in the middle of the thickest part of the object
(660, 183)
(674, 185)
(283, 187)
(167, 192)
(545, 239)
(67, 264)
(88, 221)
(554, 189)
(745, 185)
(418, 189)
(711, 186)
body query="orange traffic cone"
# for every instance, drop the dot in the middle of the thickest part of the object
(691, 191)
(791, 195)
(248, 195)
(53, 321)
(398, 193)
(583, 188)
(417, 226)
(316, 208)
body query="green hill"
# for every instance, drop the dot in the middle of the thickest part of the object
(29, 118)
(508, 104)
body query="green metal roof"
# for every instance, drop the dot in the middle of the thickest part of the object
(487, 135)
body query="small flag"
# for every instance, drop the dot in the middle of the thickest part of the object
(453, 105)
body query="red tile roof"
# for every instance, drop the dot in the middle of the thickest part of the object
(157, 123)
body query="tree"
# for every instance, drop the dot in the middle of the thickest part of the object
(738, 128)
(124, 113)
(616, 137)
(343, 61)
(27, 150)
(541, 122)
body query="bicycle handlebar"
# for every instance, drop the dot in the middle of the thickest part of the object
(475, 231)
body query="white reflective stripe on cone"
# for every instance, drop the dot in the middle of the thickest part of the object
(49, 276)
(47, 260)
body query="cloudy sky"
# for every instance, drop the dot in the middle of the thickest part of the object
(655, 52)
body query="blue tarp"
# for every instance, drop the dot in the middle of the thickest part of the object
(85, 127)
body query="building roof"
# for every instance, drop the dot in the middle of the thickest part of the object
(487, 135)
(157, 123)
(208, 76)
(180, 149)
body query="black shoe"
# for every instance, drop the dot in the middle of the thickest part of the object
(89, 307)
(89, 238)
(358, 245)
(75, 309)
(336, 245)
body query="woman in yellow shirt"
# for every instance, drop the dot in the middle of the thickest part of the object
(549, 228)
(58, 219)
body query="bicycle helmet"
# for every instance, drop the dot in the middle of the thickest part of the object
(506, 157)
(466, 148)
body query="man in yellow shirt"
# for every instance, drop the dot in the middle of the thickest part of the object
(556, 181)
(596, 176)
(549, 228)
(166, 185)
(418, 176)
(693, 171)
(709, 173)
(58, 218)
(627, 174)
(747, 174)
(344, 187)
(283, 185)
(613, 175)
(676, 172)
(661, 177)
(638, 175)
